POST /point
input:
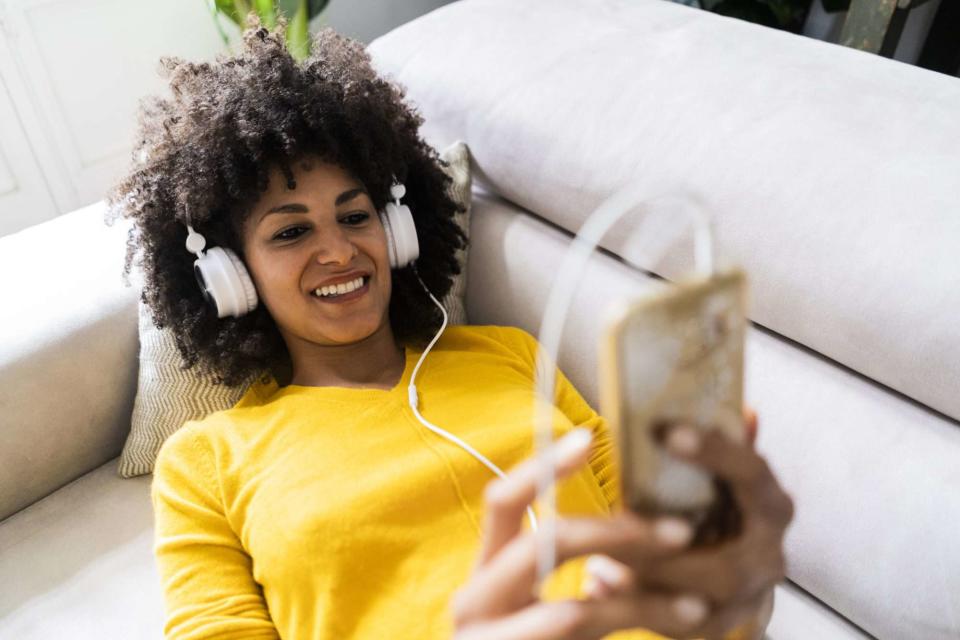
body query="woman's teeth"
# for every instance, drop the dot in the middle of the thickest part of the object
(339, 289)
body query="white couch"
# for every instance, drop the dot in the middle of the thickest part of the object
(833, 177)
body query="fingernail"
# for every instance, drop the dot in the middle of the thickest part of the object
(673, 531)
(690, 609)
(591, 587)
(573, 442)
(683, 440)
(599, 567)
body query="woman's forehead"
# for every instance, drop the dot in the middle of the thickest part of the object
(319, 168)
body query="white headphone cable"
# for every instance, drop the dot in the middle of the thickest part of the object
(412, 398)
(568, 277)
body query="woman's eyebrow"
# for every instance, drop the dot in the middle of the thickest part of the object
(297, 207)
(347, 196)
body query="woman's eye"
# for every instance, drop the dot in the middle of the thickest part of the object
(285, 234)
(356, 218)
(292, 233)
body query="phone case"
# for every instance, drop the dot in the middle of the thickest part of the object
(674, 357)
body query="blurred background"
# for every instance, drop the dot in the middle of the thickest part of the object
(71, 73)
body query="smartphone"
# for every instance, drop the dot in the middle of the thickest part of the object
(673, 357)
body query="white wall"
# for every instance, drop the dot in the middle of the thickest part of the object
(73, 71)
(71, 75)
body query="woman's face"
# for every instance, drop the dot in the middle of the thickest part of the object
(324, 232)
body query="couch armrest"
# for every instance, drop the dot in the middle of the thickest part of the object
(68, 354)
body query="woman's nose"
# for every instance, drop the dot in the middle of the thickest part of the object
(335, 247)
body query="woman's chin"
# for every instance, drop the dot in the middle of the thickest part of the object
(358, 332)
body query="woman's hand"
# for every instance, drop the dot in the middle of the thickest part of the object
(499, 600)
(641, 579)
(737, 574)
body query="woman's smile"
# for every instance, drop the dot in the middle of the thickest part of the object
(343, 298)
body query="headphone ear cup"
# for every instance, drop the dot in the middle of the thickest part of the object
(402, 240)
(225, 282)
(391, 243)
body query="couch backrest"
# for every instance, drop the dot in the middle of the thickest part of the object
(830, 174)
(68, 353)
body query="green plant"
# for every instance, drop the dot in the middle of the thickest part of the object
(297, 12)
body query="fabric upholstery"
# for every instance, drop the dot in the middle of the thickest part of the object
(873, 477)
(830, 173)
(167, 396)
(68, 357)
(79, 562)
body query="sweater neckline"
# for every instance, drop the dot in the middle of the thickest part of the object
(274, 391)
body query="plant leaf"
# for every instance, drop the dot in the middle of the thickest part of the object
(243, 10)
(229, 9)
(298, 36)
(288, 7)
(267, 13)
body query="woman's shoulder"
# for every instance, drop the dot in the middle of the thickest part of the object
(488, 335)
(193, 438)
(203, 435)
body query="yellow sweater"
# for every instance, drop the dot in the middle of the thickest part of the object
(332, 513)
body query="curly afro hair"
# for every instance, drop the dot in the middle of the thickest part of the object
(207, 152)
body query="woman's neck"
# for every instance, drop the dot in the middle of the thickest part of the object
(377, 361)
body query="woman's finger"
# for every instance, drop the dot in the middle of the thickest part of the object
(540, 621)
(610, 576)
(748, 474)
(750, 422)
(723, 572)
(591, 619)
(739, 615)
(506, 499)
(507, 581)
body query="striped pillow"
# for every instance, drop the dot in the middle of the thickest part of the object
(168, 396)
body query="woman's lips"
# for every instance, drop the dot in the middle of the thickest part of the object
(346, 297)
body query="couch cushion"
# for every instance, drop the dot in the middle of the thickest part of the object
(79, 563)
(68, 357)
(873, 477)
(831, 174)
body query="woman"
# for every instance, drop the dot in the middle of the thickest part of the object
(318, 507)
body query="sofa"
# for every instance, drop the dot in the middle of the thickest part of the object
(830, 175)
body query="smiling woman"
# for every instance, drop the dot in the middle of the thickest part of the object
(322, 504)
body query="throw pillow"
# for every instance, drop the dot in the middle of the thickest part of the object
(168, 396)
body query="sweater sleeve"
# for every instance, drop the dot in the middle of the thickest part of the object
(206, 575)
(568, 400)
(603, 457)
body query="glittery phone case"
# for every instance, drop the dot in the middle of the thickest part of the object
(674, 357)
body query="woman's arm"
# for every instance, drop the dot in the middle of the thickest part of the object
(206, 575)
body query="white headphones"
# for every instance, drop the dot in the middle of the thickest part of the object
(227, 285)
